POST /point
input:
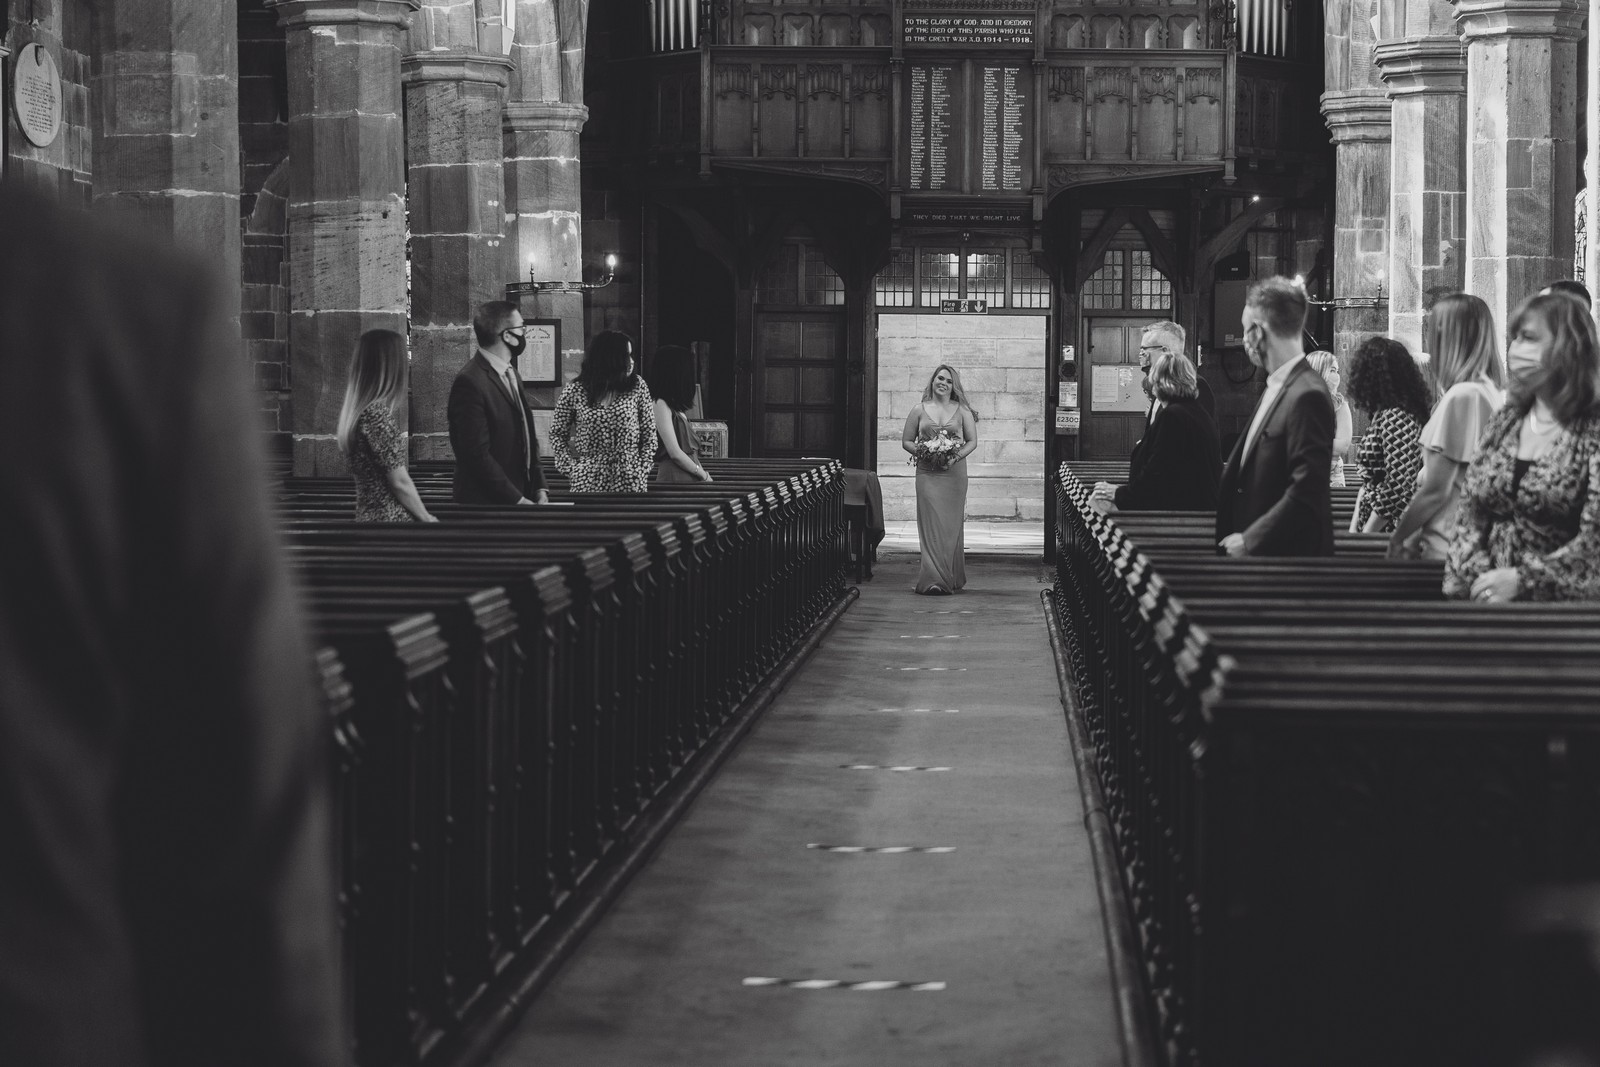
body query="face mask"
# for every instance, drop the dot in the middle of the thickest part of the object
(515, 343)
(1522, 360)
(1255, 346)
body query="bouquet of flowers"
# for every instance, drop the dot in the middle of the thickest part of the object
(938, 451)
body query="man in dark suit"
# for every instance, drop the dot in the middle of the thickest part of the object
(1274, 500)
(166, 887)
(1168, 338)
(491, 427)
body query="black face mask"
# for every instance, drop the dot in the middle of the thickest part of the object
(515, 343)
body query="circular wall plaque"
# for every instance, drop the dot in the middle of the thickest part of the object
(36, 95)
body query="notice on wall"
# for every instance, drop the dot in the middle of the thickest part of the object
(968, 30)
(1001, 154)
(931, 126)
(1116, 387)
(36, 95)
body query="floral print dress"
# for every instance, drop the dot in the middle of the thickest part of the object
(377, 446)
(1389, 457)
(606, 449)
(1545, 523)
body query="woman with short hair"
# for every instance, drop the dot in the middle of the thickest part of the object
(1459, 333)
(672, 380)
(1529, 525)
(603, 431)
(1178, 464)
(369, 430)
(1387, 386)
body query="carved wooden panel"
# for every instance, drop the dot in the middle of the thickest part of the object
(732, 109)
(779, 110)
(1064, 87)
(1158, 113)
(824, 109)
(869, 110)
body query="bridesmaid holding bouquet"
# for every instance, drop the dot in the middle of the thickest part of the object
(939, 435)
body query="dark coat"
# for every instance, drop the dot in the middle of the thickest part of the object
(492, 466)
(1175, 467)
(1278, 497)
(166, 889)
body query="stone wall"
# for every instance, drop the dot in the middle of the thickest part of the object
(1001, 359)
(263, 203)
(63, 169)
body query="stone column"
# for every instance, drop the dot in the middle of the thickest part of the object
(1427, 79)
(166, 126)
(1359, 121)
(1591, 162)
(347, 210)
(543, 213)
(457, 193)
(1522, 120)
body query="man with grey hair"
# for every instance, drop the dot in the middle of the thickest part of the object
(1160, 338)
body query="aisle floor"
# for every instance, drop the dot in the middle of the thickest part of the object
(996, 946)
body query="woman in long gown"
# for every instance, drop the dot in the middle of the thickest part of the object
(941, 484)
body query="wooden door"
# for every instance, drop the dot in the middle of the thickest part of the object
(799, 384)
(1113, 421)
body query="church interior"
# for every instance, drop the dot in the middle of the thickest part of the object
(694, 779)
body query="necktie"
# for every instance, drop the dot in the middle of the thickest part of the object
(515, 388)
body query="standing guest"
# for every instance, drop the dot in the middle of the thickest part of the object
(167, 896)
(672, 380)
(1168, 338)
(943, 420)
(1529, 526)
(1575, 289)
(1273, 499)
(603, 433)
(1459, 332)
(1388, 387)
(1327, 364)
(491, 428)
(370, 435)
(1176, 466)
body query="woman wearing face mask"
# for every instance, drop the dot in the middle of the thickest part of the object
(1327, 364)
(1460, 334)
(603, 431)
(1529, 525)
(941, 479)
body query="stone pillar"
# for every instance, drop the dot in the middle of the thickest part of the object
(1522, 118)
(347, 210)
(457, 194)
(543, 213)
(1427, 79)
(1591, 162)
(1359, 121)
(166, 129)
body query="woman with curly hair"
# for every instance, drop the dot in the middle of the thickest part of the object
(1386, 384)
(603, 432)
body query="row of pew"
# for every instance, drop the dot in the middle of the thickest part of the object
(1333, 793)
(512, 689)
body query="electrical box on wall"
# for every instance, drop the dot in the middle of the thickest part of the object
(1227, 305)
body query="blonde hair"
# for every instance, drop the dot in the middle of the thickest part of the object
(1460, 337)
(1322, 361)
(1172, 377)
(378, 375)
(957, 392)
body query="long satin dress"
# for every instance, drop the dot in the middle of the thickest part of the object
(941, 513)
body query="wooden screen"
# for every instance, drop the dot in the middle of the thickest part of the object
(799, 384)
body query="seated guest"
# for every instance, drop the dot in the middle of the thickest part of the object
(672, 380)
(1327, 364)
(1386, 384)
(369, 431)
(603, 432)
(1459, 332)
(1529, 525)
(1176, 466)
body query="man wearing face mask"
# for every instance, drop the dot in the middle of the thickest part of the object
(1274, 499)
(491, 428)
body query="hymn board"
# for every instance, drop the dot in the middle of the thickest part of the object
(968, 100)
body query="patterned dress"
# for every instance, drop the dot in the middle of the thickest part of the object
(606, 449)
(1389, 457)
(1545, 522)
(377, 447)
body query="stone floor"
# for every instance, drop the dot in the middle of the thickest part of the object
(930, 724)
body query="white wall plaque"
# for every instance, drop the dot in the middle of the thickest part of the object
(36, 95)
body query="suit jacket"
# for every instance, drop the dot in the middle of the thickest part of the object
(492, 466)
(1278, 495)
(166, 889)
(1176, 465)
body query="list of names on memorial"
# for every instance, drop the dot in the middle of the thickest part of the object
(1001, 153)
(931, 114)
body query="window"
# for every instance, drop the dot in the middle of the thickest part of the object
(1151, 290)
(986, 277)
(779, 282)
(1030, 286)
(1127, 281)
(1103, 290)
(941, 277)
(798, 275)
(823, 285)
(893, 287)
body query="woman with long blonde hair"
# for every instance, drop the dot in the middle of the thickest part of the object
(940, 433)
(369, 430)
(1459, 335)
(1326, 364)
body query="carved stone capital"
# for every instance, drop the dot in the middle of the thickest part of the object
(1417, 65)
(1357, 115)
(552, 116)
(303, 13)
(1554, 19)
(456, 67)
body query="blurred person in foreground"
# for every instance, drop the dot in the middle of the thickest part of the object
(369, 432)
(1273, 499)
(1176, 466)
(1388, 387)
(166, 888)
(1529, 525)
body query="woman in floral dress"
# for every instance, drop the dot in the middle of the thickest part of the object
(1387, 386)
(603, 431)
(369, 431)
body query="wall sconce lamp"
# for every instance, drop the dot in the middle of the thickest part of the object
(1346, 302)
(534, 286)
